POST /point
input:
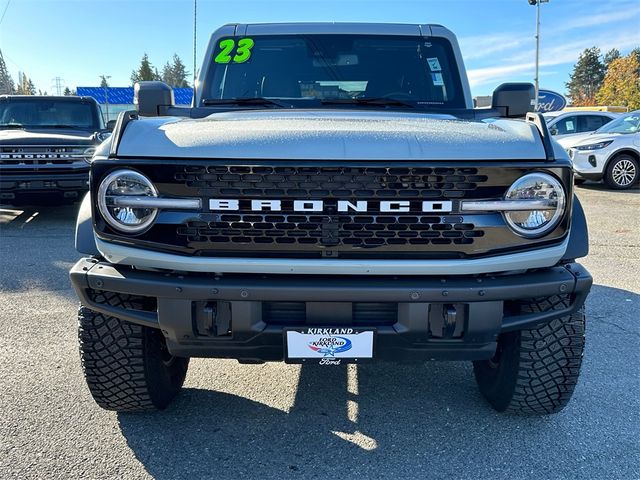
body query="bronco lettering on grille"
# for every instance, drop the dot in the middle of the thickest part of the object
(360, 206)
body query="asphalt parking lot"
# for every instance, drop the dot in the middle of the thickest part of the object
(276, 420)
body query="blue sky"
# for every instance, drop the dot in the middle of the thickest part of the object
(82, 39)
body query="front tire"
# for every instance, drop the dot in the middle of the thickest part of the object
(535, 371)
(127, 366)
(622, 172)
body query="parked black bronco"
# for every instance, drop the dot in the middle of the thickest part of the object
(46, 143)
(332, 197)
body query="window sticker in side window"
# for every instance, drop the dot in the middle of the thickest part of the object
(227, 46)
(434, 64)
(437, 79)
(569, 125)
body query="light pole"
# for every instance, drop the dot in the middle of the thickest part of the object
(195, 31)
(105, 85)
(536, 3)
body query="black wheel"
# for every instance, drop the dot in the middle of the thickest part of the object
(535, 371)
(622, 172)
(127, 367)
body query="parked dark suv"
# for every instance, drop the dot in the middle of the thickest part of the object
(45, 143)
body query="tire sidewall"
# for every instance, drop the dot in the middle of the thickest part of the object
(497, 382)
(164, 381)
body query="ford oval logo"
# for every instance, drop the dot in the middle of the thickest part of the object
(550, 101)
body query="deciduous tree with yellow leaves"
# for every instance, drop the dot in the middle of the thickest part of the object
(621, 85)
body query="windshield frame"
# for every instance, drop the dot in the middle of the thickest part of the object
(96, 114)
(447, 43)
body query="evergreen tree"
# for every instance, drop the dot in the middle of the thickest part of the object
(610, 56)
(621, 85)
(67, 92)
(145, 71)
(587, 77)
(167, 74)
(6, 82)
(103, 82)
(175, 73)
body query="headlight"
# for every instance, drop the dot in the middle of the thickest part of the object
(594, 146)
(112, 200)
(536, 222)
(102, 136)
(88, 154)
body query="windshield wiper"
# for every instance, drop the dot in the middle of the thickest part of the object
(11, 125)
(62, 126)
(247, 101)
(385, 102)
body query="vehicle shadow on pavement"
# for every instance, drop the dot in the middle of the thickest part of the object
(37, 248)
(381, 420)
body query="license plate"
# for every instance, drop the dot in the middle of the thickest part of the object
(328, 346)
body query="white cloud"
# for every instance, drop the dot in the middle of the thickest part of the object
(482, 46)
(596, 20)
(523, 63)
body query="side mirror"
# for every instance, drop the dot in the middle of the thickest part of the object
(151, 97)
(513, 100)
(553, 130)
(111, 125)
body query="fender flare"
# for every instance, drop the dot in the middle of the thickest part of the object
(578, 245)
(85, 239)
(622, 151)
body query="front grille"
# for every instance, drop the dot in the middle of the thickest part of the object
(342, 230)
(370, 314)
(41, 157)
(333, 230)
(332, 182)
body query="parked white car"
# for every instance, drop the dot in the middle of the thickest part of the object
(562, 124)
(611, 153)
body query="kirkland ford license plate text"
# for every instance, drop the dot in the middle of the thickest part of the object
(329, 346)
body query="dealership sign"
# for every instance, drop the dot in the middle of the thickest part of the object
(550, 101)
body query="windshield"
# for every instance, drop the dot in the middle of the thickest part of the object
(627, 124)
(44, 113)
(314, 69)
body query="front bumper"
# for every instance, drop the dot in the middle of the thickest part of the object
(589, 164)
(455, 318)
(66, 184)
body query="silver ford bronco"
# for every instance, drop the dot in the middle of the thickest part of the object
(332, 197)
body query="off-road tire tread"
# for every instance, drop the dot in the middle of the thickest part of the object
(115, 359)
(550, 360)
(539, 366)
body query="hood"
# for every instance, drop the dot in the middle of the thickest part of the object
(568, 141)
(331, 135)
(597, 138)
(46, 137)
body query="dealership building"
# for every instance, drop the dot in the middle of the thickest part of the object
(114, 100)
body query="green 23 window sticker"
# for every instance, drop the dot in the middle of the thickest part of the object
(243, 50)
